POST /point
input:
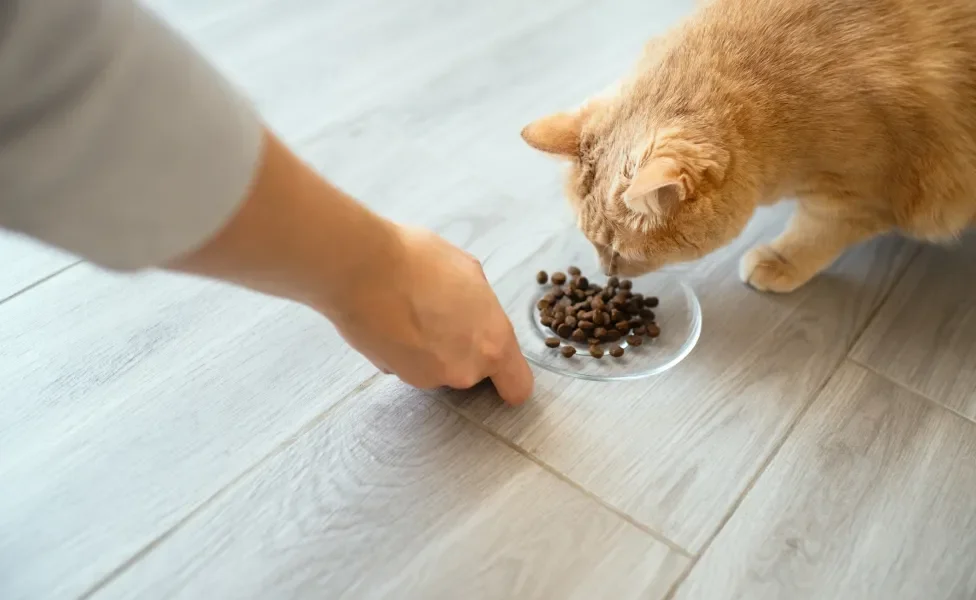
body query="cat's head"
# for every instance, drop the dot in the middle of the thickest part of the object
(645, 194)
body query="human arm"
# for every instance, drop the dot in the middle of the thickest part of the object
(120, 144)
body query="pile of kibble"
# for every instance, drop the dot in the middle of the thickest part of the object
(586, 313)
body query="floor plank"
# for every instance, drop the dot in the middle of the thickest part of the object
(924, 337)
(307, 64)
(128, 403)
(870, 498)
(675, 452)
(396, 496)
(26, 262)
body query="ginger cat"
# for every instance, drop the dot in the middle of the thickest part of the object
(864, 110)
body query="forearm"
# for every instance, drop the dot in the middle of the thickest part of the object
(296, 236)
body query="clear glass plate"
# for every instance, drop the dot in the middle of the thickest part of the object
(678, 315)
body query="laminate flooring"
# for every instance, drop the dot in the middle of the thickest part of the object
(168, 437)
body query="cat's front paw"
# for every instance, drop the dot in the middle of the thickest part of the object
(766, 270)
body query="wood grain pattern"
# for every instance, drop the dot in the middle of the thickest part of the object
(676, 452)
(26, 262)
(128, 403)
(871, 498)
(395, 496)
(925, 336)
(307, 64)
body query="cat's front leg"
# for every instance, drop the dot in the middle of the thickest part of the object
(811, 243)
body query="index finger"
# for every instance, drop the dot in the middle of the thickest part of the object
(512, 376)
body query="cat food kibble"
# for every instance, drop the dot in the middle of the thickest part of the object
(587, 313)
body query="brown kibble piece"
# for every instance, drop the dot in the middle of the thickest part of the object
(546, 321)
(635, 323)
(564, 331)
(583, 283)
(550, 298)
(647, 314)
(651, 302)
(558, 278)
(600, 318)
(642, 330)
(593, 340)
(617, 315)
(596, 351)
(542, 277)
(613, 336)
(557, 292)
(568, 351)
(626, 284)
(653, 330)
(616, 352)
(586, 325)
(623, 327)
(574, 271)
(579, 336)
(571, 321)
(613, 282)
(553, 342)
(557, 318)
(634, 340)
(600, 333)
(543, 304)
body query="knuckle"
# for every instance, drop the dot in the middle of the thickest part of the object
(493, 351)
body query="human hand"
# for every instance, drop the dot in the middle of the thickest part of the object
(429, 316)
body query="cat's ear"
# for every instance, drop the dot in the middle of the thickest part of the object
(557, 134)
(662, 183)
(658, 187)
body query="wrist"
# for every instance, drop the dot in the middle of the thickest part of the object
(297, 236)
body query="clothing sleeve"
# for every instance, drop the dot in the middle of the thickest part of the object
(118, 141)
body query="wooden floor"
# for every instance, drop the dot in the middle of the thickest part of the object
(164, 437)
